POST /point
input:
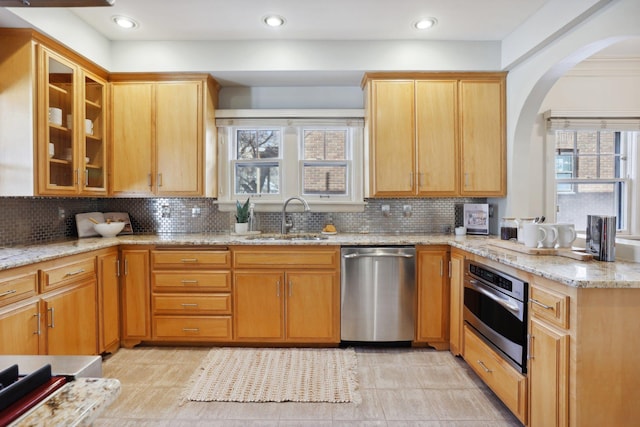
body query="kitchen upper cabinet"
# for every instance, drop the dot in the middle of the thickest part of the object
(435, 134)
(433, 297)
(163, 137)
(482, 138)
(55, 136)
(392, 118)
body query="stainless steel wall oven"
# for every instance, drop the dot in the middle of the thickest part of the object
(495, 306)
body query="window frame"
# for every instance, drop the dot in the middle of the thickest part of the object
(292, 163)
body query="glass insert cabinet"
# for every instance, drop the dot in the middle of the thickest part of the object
(71, 128)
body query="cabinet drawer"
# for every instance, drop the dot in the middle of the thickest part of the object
(14, 289)
(284, 258)
(192, 304)
(193, 328)
(190, 259)
(58, 276)
(507, 383)
(196, 282)
(550, 306)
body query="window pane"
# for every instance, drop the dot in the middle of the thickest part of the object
(257, 144)
(325, 144)
(597, 199)
(325, 179)
(261, 178)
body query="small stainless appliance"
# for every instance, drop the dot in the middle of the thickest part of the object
(378, 294)
(495, 306)
(601, 237)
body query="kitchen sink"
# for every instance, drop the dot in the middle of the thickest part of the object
(290, 237)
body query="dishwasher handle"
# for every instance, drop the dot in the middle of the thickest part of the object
(374, 255)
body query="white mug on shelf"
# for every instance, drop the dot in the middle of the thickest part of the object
(566, 235)
(552, 235)
(88, 127)
(533, 235)
(55, 116)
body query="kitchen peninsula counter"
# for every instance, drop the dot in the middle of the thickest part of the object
(580, 274)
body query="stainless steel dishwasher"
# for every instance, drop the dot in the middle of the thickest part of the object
(378, 294)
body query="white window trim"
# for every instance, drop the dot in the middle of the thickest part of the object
(623, 121)
(292, 122)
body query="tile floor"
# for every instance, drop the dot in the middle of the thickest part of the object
(399, 387)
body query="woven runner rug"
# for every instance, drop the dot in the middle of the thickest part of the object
(276, 375)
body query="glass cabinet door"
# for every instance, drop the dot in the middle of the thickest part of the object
(93, 131)
(60, 173)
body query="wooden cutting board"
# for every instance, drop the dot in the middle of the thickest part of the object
(518, 247)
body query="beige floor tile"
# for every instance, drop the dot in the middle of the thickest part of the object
(290, 411)
(370, 409)
(395, 376)
(406, 404)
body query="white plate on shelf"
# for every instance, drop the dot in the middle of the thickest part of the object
(329, 233)
(248, 233)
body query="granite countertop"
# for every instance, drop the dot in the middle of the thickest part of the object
(583, 274)
(77, 403)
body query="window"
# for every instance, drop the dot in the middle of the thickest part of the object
(592, 176)
(270, 160)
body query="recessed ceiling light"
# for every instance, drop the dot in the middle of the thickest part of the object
(423, 24)
(274, 21)
(125, 22)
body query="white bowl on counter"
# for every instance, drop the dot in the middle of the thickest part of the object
(110, 229)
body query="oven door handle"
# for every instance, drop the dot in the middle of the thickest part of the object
(505, 303)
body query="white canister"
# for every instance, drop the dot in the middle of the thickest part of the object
(566, 235)
(520, 223)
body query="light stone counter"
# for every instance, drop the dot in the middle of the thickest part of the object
(77, 403)
(597, 274)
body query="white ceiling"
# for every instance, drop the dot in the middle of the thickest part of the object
(311, 19)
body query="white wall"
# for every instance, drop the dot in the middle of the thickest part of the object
(527, 86)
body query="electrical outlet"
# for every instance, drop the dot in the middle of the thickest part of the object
(61, 213)
(406, 210)
(165, 211)
(386, 210)
(195, 212)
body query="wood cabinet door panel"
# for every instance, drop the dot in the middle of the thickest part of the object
(433, 297)
(482, 138)
(71, 320)
(20, 329)
(132, 137)
(312, 306)
(548, 377)
(258, 306)
(392, 137)
(436, 137)
(136, 310)
(109, 301)
(456, 304)
(179, 138)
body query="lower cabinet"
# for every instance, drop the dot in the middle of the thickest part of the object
(135, 300)
(277, 300)
(433, 296)
(70, 319)
(507, 383)
(21, 329)
(108, 301)
(456, 287)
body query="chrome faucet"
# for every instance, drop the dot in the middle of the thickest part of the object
(285, 226)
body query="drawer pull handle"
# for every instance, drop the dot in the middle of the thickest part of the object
(191, 329)
(74, 273)
(53, 312)
(4, 294)
(189, 260)
(189, 282)
(484, 366)
(189, 304)
(545, 306)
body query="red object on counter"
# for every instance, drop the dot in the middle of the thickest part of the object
(30, 400)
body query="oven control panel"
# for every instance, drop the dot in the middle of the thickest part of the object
(509, 284)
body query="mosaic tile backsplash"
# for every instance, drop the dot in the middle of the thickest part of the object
(34, 220)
